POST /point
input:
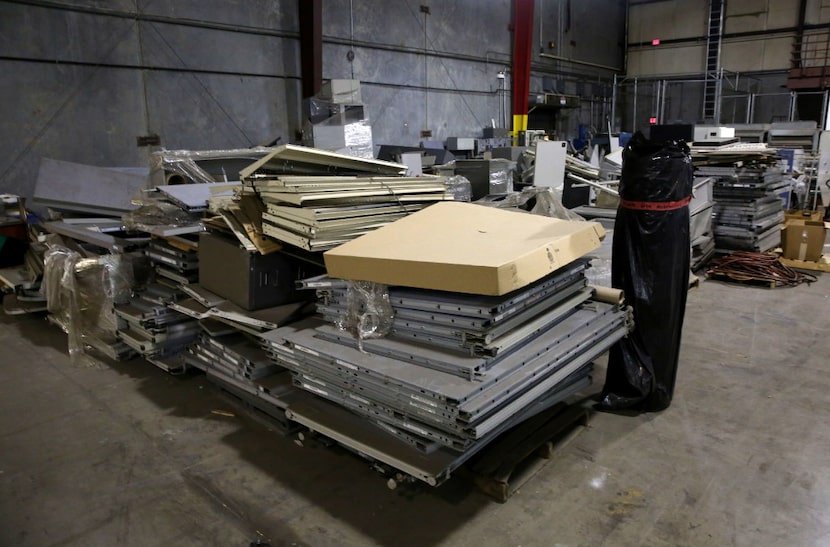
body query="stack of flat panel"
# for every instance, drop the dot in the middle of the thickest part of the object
(424, 406)
(149, 323)
(456, 367)
(317, 200)
(749, 210)
(701, 233)
(479, 326)
(149, 326)
(175, 264)
(195, 197)
(318, 213)
(240, 365)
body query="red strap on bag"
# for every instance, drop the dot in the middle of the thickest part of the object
(655, 205)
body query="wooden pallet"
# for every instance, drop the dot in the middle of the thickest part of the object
(515, 457)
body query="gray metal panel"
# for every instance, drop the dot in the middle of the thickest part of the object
(195, 196)
(357, 434)
(290, 157)
(437, 385)
(87, 188)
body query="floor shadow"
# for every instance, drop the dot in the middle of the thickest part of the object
(349, 489)
(317, 476)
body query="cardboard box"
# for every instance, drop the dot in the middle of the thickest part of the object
(249, 280)
(463, 247)
(798, 214)
(803, 240)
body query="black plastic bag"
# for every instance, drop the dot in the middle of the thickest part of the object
(650, 262)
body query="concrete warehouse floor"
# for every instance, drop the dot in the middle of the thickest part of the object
(128, 455)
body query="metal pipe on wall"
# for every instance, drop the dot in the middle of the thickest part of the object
(655, 106)
(614, 104)
(634, 117)
(426, 78)
(350, 55)
(824, 110)
(792, 109)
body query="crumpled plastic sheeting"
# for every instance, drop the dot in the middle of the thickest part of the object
(81, 292)
(459, 187)
(358, 136)
(369, 312)
(599, 274)
(541, 201)
(549, 204)
(501, 175)
(156, 212)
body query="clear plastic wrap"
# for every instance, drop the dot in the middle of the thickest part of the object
(549, 204)
(445, 169)
(369, 311)
(543, 201)
(81, 292)
(59, 288)
(157, 212)
(512, 200)
(358, 137)
(175, 165)
(339, 128)
(501, 176)
(459, 187)
(599, 274)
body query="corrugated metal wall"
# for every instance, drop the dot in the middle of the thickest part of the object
(83, 78)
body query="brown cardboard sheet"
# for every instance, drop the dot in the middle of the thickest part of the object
(463, 247)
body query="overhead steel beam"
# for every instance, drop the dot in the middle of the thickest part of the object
(522, 41)
(311, 45)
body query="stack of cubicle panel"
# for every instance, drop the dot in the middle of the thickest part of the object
(316, 200)
(749, 210)
(154, 330)
(457, 369)
(319, 213)
(237, 363)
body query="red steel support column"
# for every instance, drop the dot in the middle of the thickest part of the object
(311, 45)
(522, 41)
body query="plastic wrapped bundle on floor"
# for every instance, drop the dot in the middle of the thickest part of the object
(650, 263)
(80, 294)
